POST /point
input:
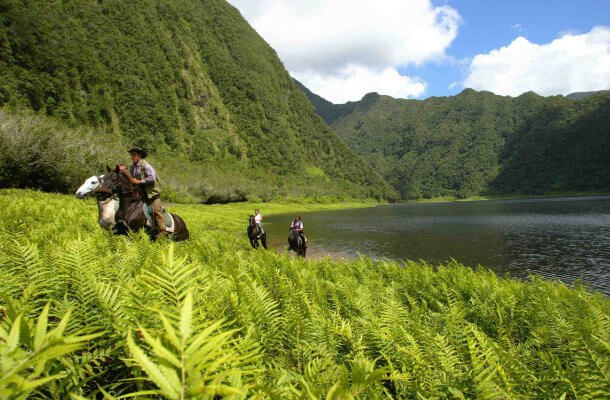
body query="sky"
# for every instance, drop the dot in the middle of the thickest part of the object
(343, 49)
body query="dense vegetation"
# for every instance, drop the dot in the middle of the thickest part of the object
(565, 146)
(84, 313)
(480, 143)
(189, 80)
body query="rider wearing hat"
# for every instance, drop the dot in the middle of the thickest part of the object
(143, 177)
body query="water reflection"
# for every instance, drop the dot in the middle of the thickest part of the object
(565, 238)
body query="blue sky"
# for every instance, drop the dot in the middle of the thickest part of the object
(488, 25)
(343, 49)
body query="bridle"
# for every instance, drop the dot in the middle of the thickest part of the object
(117, 188)
(100, 195)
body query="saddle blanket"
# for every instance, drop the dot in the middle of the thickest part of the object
(150, 220)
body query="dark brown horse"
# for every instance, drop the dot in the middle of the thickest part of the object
(254, 233)
(130, 216)
(296, 243)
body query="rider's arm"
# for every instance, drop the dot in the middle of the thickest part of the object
(150, 174)
(125, 172)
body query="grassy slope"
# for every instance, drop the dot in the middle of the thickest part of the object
(304, 328)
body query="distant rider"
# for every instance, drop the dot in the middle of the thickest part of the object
(142, 175)
(297, 226)
(258, 219)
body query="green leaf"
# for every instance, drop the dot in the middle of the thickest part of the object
(202, 336)
(61, 327)
(12, 341)
(186, 317)
(152, 370)
(41, 327)
(169, 331)
(160, 350)
(33, 384)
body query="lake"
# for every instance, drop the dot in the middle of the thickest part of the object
(564, 238)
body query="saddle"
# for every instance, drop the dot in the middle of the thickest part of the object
(150, 218)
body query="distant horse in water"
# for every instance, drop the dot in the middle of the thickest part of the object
(254, 234)
(131, 216)
(295, 243)
(107, 204)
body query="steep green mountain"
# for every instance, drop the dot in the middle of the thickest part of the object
(478, 143)
(563, 147)
(188, 79)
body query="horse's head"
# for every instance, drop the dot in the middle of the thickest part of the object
(115, 182)
(89, 186)
(251, 220)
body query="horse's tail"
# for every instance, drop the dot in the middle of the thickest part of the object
(180, 230)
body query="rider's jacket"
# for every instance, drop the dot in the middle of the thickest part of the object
(145, 171)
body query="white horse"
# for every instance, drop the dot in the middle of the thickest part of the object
(107, 206)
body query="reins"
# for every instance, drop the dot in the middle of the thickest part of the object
(118, 188)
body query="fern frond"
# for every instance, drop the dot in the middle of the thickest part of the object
(29, 358)
(170, 278)
(485, 367)
(181, 363)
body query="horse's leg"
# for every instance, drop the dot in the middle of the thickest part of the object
(264, 240)
(250, 235)
(120, 228)
(134, 217)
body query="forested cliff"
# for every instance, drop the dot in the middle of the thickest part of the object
(479, 143)
(189, 80)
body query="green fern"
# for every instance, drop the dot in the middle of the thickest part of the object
(182, 363)
(294, 329)
(29, 354)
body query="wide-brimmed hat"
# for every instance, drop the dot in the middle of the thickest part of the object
(138, 150)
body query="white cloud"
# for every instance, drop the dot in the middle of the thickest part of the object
(352, 82)
(568, 64)
(349, 44)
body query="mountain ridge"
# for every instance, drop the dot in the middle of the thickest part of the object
(479, 143)
(182, 78)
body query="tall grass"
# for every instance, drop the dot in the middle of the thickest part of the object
(39, 152)
(87, 314)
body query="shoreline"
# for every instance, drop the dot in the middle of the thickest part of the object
(507, 197)
(315, 253)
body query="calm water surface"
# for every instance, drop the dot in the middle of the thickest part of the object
(564, 238)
